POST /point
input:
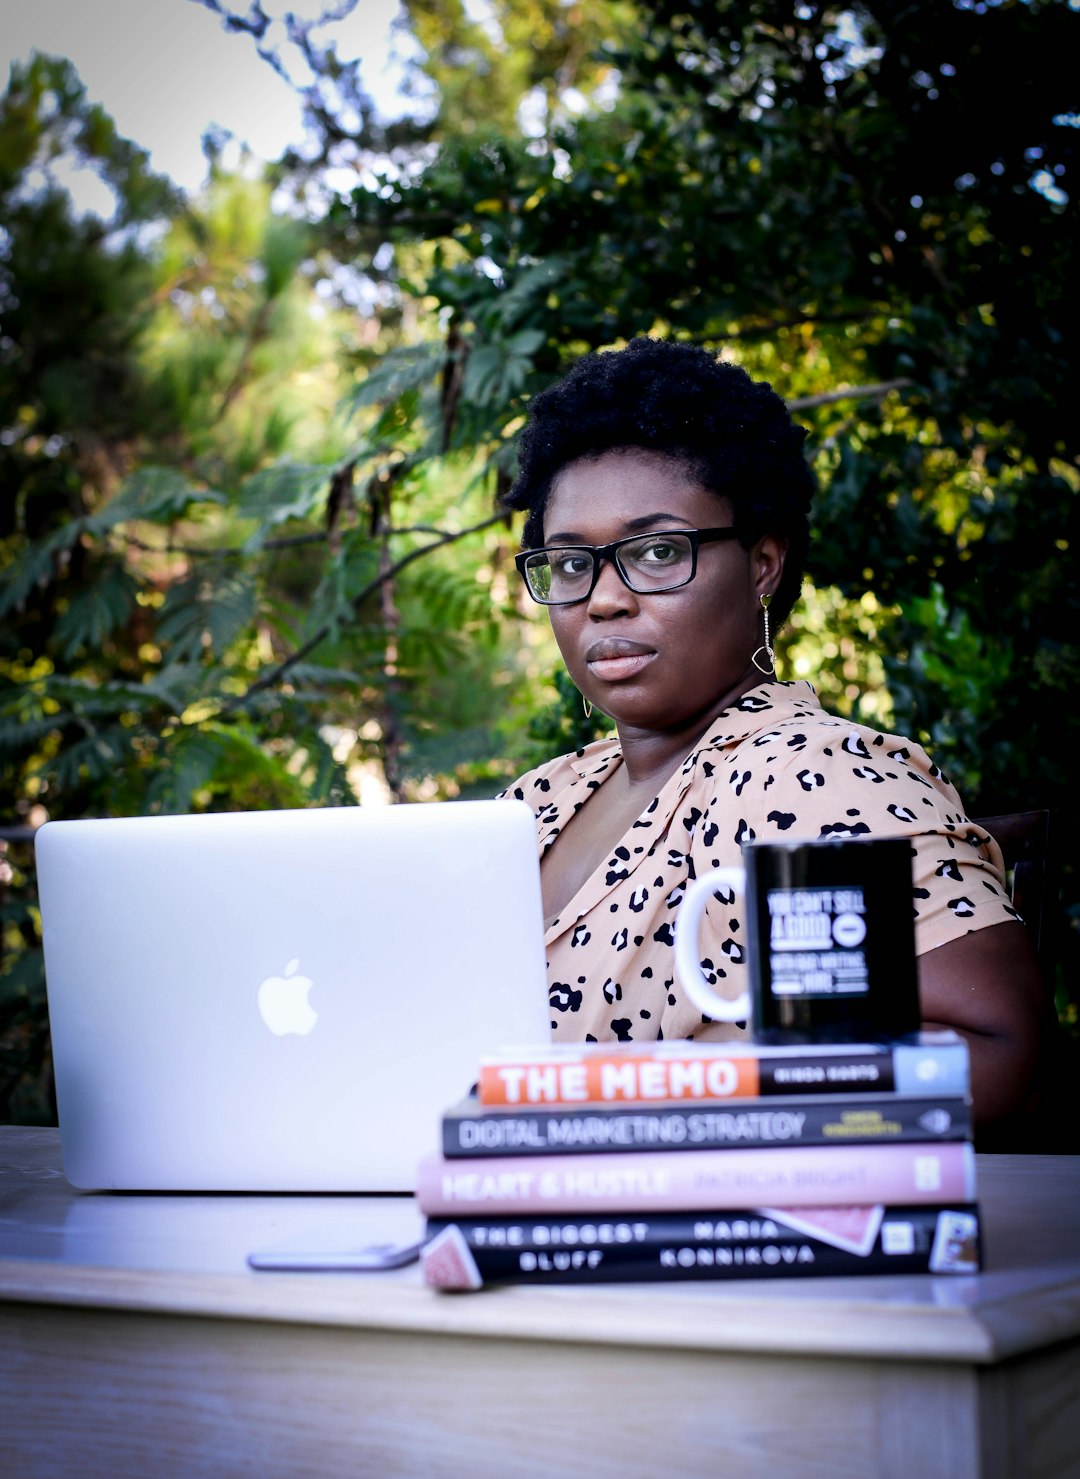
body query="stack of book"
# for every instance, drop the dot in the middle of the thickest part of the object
(676, 1160)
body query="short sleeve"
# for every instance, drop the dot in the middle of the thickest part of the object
(959, 884)
(845, 780)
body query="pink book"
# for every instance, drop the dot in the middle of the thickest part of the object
(698, 1180)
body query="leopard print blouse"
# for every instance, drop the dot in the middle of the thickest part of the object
(773, 766)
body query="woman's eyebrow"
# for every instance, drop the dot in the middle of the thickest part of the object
(632, 526)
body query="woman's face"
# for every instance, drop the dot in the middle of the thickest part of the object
(668, 659)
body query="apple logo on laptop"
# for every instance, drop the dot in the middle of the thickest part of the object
(284, 1005)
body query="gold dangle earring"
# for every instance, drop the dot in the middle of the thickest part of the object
(766, 646)
(587, 706)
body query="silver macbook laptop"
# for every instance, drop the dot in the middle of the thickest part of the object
(283, 1001)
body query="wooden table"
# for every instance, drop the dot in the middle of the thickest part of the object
(134, 1340)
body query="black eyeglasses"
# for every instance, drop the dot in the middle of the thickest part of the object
(662, 560)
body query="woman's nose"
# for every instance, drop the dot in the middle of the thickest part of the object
(610, 595)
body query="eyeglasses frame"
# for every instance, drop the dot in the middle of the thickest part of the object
(602, 552)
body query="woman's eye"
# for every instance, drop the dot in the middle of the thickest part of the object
(570, 567)
(659, 552)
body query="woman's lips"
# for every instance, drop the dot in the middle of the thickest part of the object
(613, 660)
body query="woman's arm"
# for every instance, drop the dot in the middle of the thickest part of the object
(986, 985)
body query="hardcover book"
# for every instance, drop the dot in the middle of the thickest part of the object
(768, 1242)
(698, 1180)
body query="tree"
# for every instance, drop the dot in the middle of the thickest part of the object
(218, 588)
(220, 591)
(836, 196)
(238, 571)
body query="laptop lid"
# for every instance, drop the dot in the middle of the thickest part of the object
(283, 1001)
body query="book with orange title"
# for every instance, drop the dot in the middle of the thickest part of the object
(621, 1073)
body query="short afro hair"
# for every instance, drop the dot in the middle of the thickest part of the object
(734, 434)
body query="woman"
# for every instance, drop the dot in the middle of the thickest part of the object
(668, 522)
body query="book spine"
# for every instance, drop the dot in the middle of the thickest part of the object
(721, 1073)
(467, 1253)
(692, 1180)
(864, 1119)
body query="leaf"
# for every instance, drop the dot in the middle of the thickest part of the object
(96, 612)
(431, 649)
(35, 566)
(106, 752)
(19, 734)
(533, 282)
(525, 342)
(283, 248)
(346, 574)
(482, 381)
(23, 977)
(226, 760)
(445, 752)
(397, 372)
(322, 678)
(85, 696)
(277, 494)
(158, 495)
(326, 779)
(192, 761)
(494, 373)
(202, 618)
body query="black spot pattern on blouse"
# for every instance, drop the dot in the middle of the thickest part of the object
(773, 765)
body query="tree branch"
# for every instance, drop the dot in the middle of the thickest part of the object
(850, 393)
(256, 333)
(268, 680)
(777, 325)
(226, 551)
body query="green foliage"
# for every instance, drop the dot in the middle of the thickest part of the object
(486, 64)
(215, 586)
(25, 1054)
(835, 196)
(947, 656)
(248, 553)
(563, 725)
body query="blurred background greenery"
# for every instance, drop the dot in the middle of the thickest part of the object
(252, 436)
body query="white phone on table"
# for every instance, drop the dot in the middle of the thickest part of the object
(314, 1253)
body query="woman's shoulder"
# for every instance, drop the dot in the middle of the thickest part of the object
(590, 761)
(818, 769)
(795, 723)
(875, 755)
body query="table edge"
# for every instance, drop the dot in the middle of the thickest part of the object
(574, 1315)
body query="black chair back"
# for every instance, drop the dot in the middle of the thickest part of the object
(1024, 839)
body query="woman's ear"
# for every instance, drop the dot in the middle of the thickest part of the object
(767, 563)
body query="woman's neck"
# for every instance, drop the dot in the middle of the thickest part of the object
(651, 756)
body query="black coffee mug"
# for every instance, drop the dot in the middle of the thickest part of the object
(830, 940)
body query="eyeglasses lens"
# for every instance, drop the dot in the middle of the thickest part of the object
(652, 562)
